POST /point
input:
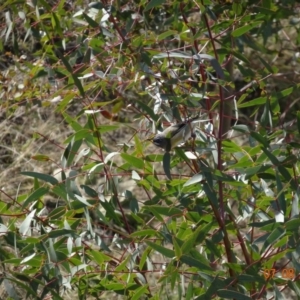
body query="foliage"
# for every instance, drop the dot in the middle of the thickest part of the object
(217, 218)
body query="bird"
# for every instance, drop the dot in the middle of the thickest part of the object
(175, 134)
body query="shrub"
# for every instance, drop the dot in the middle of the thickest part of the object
(215, 218)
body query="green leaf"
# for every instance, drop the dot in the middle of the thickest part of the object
(280, 194)
(270, 69)
(26, 223)
(164, 35)
(193, 262)
(138, 145)
(212, 247)
(237, 8)
(75, 78)
(275, 235)
(278, 294)
(153, 3)
(244, 29)
(195, 179)
(241, 128)
(254, 102)
(211, 194)
(145, 259)
(283, 93)
(62, 232)
(75, 125)
(110, 211)
(56, 23)
(147, 110)
(83, 200)
(60, 191)
(288, 178)
(215, 283)
(250, 171)
(35, 196)
(78, 135)
(14, 261)
(114, 286)
(41, 176)
(298, 121)
(228, 144)
(64, 102)
(139, 292)
(144, 233)
(99, 257)
(272, 157)
(107, 128)
(167, 164)
(174, 278)
(190, 291)
(294, 286)
(266, 118)
(266, 4)
(71, 151)
(177, 249)
(261, 139)
(190, 241)
(281, 243)
(228, 294)
(57, 213)
(91, 22)
(164, 251)
(134, 161)
(40, 157)
(89, 191)
(295, 207)
(292, 225)
(164, 210)
(247, 278)
(26, 259)
(262, 224)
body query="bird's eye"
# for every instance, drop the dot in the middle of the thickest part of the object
(157, 140)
